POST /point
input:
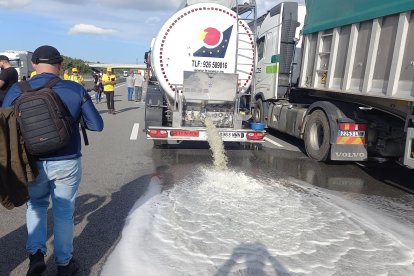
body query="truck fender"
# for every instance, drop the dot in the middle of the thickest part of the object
(333, 113)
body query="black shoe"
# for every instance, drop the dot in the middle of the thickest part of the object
(37, 264)
(70, 269)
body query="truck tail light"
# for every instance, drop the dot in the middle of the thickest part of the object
(352, 126)
(255, 136)
(158, 133)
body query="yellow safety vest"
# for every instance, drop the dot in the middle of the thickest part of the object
(108, 87)
(78, 79)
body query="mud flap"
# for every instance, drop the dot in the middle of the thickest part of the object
(349, 152)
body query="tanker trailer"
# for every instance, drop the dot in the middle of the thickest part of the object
(203, 63)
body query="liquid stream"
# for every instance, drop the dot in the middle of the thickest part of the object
(216, 145)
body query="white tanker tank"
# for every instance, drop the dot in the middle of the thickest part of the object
(203, 37)
(204, 61)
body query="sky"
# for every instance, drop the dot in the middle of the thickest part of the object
(104, 31)
(229, 223)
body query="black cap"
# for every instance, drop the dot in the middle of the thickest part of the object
(3, 57)
(46, 54)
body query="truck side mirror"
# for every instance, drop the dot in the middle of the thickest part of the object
(146, 57)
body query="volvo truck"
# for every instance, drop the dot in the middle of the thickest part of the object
(341, 78)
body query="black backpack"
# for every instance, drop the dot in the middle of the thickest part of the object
(43, 119)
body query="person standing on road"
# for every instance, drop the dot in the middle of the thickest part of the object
(59, 172)
(8, 76)
(138, 86)
(66, 75)
(130, 83)
(76, 77)
(109, 81)
(97, 87)
(33, 73)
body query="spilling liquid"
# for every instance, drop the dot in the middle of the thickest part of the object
(216, 145)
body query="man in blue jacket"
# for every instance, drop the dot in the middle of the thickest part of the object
(60, 172)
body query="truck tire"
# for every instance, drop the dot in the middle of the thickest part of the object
(258, 114)
(317, 136)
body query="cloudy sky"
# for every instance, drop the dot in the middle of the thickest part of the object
(103, 31)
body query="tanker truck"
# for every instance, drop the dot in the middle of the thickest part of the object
(202, 63)
(341, 78)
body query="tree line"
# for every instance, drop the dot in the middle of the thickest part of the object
(69, 63)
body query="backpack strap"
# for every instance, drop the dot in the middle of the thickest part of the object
(85, 98)
(24, 86)
(51, 82)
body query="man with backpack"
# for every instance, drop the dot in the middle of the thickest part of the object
(59, 171)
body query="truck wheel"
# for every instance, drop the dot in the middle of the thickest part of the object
(258, 116)
(317, 136)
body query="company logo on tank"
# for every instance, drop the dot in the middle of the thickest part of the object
(214, 42)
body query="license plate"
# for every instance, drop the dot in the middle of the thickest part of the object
(185, 133)
(230, 134)
(347, 133)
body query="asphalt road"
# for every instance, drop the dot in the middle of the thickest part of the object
(119, 163)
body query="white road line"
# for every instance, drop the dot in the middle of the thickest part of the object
(134, 133)
(273, 142)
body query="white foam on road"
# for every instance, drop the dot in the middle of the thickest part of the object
(227, 223)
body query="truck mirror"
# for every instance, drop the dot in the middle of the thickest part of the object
(146, 57)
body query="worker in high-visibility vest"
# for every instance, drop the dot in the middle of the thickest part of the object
(76, 77)
(66, 75)
(109, 81)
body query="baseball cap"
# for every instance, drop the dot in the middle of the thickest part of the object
(46, 54)
(3, 57)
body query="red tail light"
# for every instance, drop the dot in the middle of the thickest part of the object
(255, 136)
(352, 126)
(156, 133)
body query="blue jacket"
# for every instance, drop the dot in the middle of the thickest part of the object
(71, 94)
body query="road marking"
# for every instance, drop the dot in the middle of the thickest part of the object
(273, 142)
(134, 133)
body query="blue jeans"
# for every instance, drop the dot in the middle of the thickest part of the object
(58, 180)
(98, 96)
(138, 93)
(130, 92)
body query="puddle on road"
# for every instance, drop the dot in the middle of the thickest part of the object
(229, 223)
